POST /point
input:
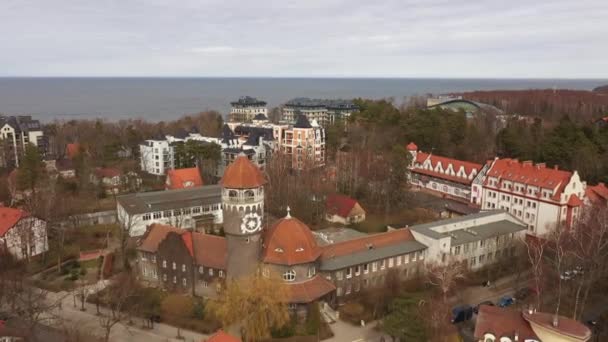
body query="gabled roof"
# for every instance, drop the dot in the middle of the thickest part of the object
(289, 242)
(566, 327)
(412, 147)
(72, 150)
(184, 178)
(9, 218)
(502, 322)
(469, 167)
(597, 194)
(207, 250)
(242, 174)
(221, 336)
(526, 173)
(340, 205)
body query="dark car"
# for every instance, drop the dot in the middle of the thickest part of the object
(462, 313)
(487, 302)
(506, 301)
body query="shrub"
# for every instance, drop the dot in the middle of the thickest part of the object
(74, 274)
(354, 312)
(313, 319)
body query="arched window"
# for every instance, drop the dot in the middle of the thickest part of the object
(249, 194)
(289, 275)
(233, 194)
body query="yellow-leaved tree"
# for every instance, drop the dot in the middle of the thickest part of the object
(257, 303)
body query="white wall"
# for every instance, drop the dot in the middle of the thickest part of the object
(29, 233)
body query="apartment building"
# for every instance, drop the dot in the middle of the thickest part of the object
(16, 132)
(447, 177)
(540, 196)
(246, 108)
(323, 112)
(156, 156)
(476, 240)
(194, 208)
(304, 144)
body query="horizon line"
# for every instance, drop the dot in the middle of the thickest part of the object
(307, 77)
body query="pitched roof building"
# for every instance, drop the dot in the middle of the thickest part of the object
(343, 209)
(540, 196)
(597, 194)
(183, 178)
(21, 234)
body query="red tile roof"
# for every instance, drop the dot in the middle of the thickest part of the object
(310, 290)
(597, 194)
(107, 172)
(526, 173)
(566, 326)
(502, 322)
(340, 205)
(72, 150)
(574, 201)
(469, 167)
(209, 250)
(289, 242)
(184, 178)
(363, 243)
(242, 174)
(9, 218)
(154, 235)
(221, 336)
(412, 147)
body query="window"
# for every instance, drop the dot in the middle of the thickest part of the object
(457, 250)
(358, 270)
(164, 263)
(357, 286)
(211, 271)
(184, 282)
(154, 259)
(205, 284)
(473, 261)
(406, 259)
(366, 269)
(339, 275)
(196, 210)
(174, 280)
(266, 272)
(147, 217)
(183, 267)
(201, 269)
(174, 266)
(349, 272)
(339, 291)
(311, 271)
(482, 258)
(399, 260)
(348, 288)
(167, 213)
(289, 275)
(391, 262)
(382, 264)
(164, 277)
(481, 243)
(156, 215)
(221, 273)
(414, 255)
(374, 266)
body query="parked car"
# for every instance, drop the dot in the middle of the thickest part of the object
(506, 301)
(487, 302)
(462, 313)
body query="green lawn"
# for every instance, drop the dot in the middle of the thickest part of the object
(375, 223)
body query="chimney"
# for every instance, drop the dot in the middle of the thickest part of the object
(555, 167)
(516, 336)
(541, 165)
(527, 163)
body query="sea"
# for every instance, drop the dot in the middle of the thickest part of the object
(158, 99)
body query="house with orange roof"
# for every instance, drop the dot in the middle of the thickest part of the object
(597, 194)
(21, 234)
(343, 209)
(447, 177)
(183, 178)
(540, 196)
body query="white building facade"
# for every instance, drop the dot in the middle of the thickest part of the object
(16, 132)
(541, 197)
(22, 235)
(156, 156)
(246, 108)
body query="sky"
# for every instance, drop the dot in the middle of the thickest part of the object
(305, 38)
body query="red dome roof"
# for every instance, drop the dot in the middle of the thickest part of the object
(242, 174)
(289, 242)
(411, 147)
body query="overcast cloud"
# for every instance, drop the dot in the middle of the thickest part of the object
(306, 38)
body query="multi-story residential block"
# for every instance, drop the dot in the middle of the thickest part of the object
(189, 208)
(446, 176)
(539, 196)
(246, 108)
(21, 234)
(16, 132)
(477, 240)
(156, 156)
(304, 144)
(322, 111)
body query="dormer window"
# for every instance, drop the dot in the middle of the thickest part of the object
(299, 249)
(289, 275)
(278, 250)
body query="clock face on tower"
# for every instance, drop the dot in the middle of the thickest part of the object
(251, 223)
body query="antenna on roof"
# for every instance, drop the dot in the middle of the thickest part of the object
(288, 213)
